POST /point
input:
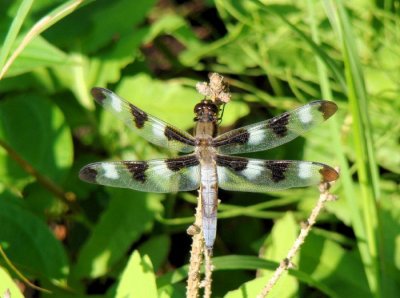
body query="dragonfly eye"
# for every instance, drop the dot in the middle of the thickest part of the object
(206, 110)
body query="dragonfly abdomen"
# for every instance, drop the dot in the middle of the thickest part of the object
(209, 199)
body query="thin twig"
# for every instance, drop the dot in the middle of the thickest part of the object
(68, 198)
(208, 274)
(19, 274)
(305, 229)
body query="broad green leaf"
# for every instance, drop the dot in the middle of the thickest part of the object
(254, 287)
(328, 262)
(276, 247)
(107, 68)
(29, 244)
(99, 24)
(120, 17)
(175, 290)
(37, 131)
(176, 26)
(157, 248)
(42, 202)
(138, 278)
(127, 217)
(281, 238)
(84, 73)
(6, 283)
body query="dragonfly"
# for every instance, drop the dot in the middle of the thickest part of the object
(208, 164)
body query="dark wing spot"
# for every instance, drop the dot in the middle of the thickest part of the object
(173, 135)
(236, 164)
(140, 117)
(176, 164)
(88, 174)
(137, 170)
(240, 137)
(98, 94)
(327, 108)
(328, 174)
(279, 124)
(278, 169)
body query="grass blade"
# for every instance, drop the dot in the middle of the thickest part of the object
(365, 156)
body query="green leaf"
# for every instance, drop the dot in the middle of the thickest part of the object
(7, 283)
(253, 288)
(38, 53)
(328, 262)
(232, 262)
(176, 26)
(236, 262)
(366, 224)
(107, 67)
(36, 130)
(127, 217)
(20, 230)
(47, 21)
(13, 30)
(138, 278)
(157, 248)
(276, 247)
(390, 218)
(116, 17)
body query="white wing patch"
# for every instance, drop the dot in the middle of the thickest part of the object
(115, 103)
(158, 130)
(256, 137)
(110, 171)
(305, 115)
(305, 170)
(221, 174)
(193, 175)
(253, 169)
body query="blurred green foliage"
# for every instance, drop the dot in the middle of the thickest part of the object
(80, 240)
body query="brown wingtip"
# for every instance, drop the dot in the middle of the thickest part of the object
(328, 108)
(88, 174)
(98, 94)
(328, 174)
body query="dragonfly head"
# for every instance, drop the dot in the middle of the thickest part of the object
(206, 111)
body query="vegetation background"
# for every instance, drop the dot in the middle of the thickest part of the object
(81, 240)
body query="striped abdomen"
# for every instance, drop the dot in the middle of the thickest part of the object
(209, 199)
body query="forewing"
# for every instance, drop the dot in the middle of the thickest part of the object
(256, 175)
(276, 131)
(149, 127)
(162, 175)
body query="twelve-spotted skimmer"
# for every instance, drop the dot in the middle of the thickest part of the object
(207, 166)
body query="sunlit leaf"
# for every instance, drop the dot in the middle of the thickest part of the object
(138, 278)
(127, 217)
(36, 130)
(7, 284)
